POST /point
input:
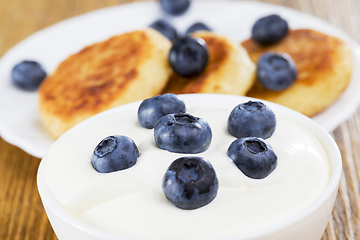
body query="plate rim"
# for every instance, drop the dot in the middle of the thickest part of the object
(31, 148)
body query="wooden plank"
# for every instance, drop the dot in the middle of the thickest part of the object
(21, 212)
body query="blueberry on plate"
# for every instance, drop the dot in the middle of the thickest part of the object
(165, 28)
(28, 75)
(197, 27)
(175, 7)
(114, 153)
(190, 183)
(251, 119)
(188, 56)
(182, 133)
(276, 71)
(253, 156)
(269, 30)
(152, 109)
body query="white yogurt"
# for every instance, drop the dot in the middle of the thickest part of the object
(131, 203)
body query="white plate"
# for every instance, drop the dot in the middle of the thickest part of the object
(19, 120)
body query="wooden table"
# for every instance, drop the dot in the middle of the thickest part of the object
(21, 212)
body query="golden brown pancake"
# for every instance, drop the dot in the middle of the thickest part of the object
(122, 69)
(324, 65)
(229, 70)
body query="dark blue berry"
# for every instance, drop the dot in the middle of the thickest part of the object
(190, 183)
(28, 75)
(165, 28)
(197, 27)
(182, 133)
(276, 71)
(175, 7)
(152, 109)
(269, 30)
(114, 153)
(188, 56)
(251, 119)
(253, 156)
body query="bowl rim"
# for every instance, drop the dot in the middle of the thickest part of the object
(326, 139)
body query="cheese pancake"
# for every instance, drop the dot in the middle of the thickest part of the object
(122, 69)
(229, 70)
(324, 65)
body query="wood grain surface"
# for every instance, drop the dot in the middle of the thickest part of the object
(21, 212)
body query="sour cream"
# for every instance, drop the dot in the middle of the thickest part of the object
(131, 203)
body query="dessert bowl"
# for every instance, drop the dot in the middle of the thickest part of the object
(308, 222)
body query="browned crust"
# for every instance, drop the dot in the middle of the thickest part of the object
(91, 79)
(324, 66)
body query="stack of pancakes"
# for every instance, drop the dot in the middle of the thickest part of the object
(134, 66)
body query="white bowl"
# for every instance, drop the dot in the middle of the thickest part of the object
(308, 224)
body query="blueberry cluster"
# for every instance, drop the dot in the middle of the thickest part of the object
(168, 30)
(189, 56)
(275, 71)
(174, 129)
(251, 123)
(190, 182)
(152, 109)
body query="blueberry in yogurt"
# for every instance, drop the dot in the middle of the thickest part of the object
(28, 75)
(251, 119)
(182, 133)
(190, 183)
(114, 153)
(175, 7)
(197, 27)
(276, 71)
(269, 30)
(165, 28)
(253, 156)
(152, 109)
(188, 56)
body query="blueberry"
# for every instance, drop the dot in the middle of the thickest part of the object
(114, 153)
(188, 56)
(182, 133)
(190, 183)
(276, 71)
(197, 27)
(253, 156)
(251, 119)
(175, 7)
(152, 109)
(269, 30)
(28, 75)
(165, 28)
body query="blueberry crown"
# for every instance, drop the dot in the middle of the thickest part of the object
(255, 146)
(106, 146)
(252, 106)
(185, 118)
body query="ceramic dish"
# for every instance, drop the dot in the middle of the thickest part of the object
(308, 223)
(19, 119)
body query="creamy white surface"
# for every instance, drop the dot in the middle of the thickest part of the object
(131, 202)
